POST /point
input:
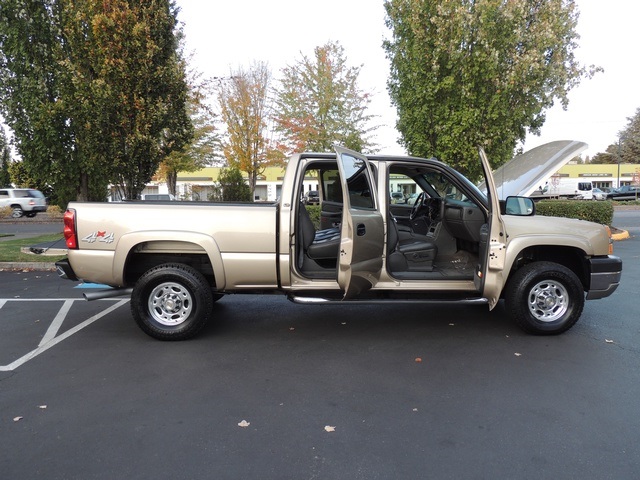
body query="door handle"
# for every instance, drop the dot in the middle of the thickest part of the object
(361, 230)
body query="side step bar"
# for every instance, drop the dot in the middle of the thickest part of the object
(374, 301)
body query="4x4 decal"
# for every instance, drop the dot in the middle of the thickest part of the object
(98, 236)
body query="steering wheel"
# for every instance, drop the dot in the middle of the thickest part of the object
(418, 207)
(424, 205)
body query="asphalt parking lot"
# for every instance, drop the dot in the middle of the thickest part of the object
(275, 390)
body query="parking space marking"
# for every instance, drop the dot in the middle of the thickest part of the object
(57, 322)
(52, 330)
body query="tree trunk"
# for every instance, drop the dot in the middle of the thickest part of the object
(172, 180)
(83, 191)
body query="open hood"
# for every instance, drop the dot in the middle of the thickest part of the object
(525, 173)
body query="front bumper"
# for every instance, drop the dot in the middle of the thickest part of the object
(605, 276)
(63, 267)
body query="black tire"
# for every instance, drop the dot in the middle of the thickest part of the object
(544, 298)
(172, 302)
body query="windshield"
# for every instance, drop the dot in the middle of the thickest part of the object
(446, 188)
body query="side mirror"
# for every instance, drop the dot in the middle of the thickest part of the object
(520, 206)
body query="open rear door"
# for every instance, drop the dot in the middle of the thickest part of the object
(362, 230)
(489, 277)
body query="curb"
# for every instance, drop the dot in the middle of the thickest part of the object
(28, 266)
(623, 235)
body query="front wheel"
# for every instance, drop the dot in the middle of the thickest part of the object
(544, 298)
(171, 302)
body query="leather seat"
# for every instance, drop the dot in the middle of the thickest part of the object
(320, 245)
(410, 254)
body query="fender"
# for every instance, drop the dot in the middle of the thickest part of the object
(518, 244)
(207, 244)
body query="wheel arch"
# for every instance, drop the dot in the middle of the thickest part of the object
(135, 252)
(570, 256)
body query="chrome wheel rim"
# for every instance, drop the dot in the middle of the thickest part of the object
(170, 304)
(548, 301)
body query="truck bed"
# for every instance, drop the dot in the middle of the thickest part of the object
(239, 239)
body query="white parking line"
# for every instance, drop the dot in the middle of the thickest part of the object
(51, 339)
(57, 322)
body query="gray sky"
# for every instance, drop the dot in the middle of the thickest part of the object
(226, 35)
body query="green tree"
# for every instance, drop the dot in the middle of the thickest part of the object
(478, 72)
(245, 110)
(609, 156)
(319, 104)
(94, 91)
(202, 149)
(231, 187)
(31, 86)
(628, 147)
(138, 56)
(5, 160)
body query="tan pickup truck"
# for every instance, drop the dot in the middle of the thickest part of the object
(391, 229)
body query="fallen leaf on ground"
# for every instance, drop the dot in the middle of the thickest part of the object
(329, 428)
(418, 360)
(244, 424)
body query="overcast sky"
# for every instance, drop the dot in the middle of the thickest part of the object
(226, 35)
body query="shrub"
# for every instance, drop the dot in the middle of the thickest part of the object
(314, 213)
(592, 211)
(5, 212)
(55, 211)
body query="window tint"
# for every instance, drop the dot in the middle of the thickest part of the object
(357, 182)
(332, 189)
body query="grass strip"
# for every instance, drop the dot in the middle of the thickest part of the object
(10, 249)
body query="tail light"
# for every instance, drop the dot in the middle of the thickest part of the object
(69, 230)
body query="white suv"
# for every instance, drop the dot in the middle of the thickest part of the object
(23, 201)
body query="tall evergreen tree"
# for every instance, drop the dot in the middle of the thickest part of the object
(482, 72)
(628, 148)
(5, 159)
(94, 91)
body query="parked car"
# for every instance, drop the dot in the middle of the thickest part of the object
(23, 201)
(397, 197)
(311, 198)
(625, 192)
(598, 194)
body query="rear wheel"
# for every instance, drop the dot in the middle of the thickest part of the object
(544, 298)
(172, 302)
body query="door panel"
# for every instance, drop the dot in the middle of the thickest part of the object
(489, 277)
(362, 229)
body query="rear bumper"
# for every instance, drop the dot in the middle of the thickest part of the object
(63, 267)
(605, 276)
